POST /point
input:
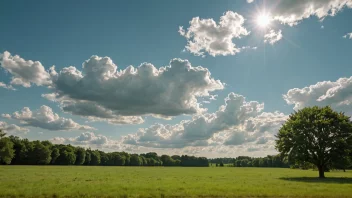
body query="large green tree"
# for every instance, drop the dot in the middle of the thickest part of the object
(317, 135)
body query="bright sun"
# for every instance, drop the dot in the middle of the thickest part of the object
(263, 20)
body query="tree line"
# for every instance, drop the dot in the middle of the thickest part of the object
(246, 161)
(17, 151)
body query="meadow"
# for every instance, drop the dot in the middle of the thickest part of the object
(91, 181)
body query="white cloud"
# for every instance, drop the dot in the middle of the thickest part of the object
(8, 116)
(45, 118)
(100, 92)
(266, 122)
(86, 138)
(200, 129)
(348, 35)
(337, 94)
(250, 1)
(3, 85)
(205, 35)
(102, 142)
(95, 112)
(259, 129)
(24, 72)
(272, 37)
(292, 12)
(12, 129)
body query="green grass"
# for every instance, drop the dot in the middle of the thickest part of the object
(81, 181)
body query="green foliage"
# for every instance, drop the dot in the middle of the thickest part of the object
(21, 150)
(80, 155)
(116, 159)
(194, 161)
(55, 153)
(137, 161)
(41, 154)
(315, 135)
(2, 133)
(6, 150)
(95, 158)
(88, 158)
(67, 155)
(268, 161)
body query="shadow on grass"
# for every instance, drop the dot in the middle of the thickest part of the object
(338, 180)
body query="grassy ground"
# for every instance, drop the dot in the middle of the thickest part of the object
(81, 181)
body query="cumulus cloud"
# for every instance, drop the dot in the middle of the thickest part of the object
(86, 138)
(292, 12)
(95, 112)
(201, 128)
(348, 35)
(266, 122)
(24, 72)
(12, 129)
(259, 129)
(337, 94)
(45, 118)
(100, 92)
(206, 36)
(3, 85)
(250, 1)
(272, 37)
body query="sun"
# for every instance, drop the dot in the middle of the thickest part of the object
(263, 20)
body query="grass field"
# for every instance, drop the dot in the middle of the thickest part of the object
(81, 181)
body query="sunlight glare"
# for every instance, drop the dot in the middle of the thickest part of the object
(263, 20)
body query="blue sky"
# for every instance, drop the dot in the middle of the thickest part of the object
(311, 49)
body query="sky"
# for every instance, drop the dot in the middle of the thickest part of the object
(201, 77)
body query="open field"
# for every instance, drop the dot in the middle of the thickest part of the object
(85, 181)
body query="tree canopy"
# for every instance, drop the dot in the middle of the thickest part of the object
(14, 150)
(316, 135)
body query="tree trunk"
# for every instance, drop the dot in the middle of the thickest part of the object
(321, 171)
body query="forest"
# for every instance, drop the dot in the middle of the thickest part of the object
(17, 151)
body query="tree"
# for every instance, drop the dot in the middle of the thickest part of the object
(167, 160)
(104, 158)
(80, 155)
(2, 133)
(67, 155)
(21, 152)
(116, 159)
(255, 162)
(6, 150)
(41, 154)
(316, 135)
(136, 160)
(55, 153)
(95, 158)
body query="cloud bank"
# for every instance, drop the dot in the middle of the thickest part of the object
(101, 92)
(337, 94)
(237, 122)
(12, 129)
